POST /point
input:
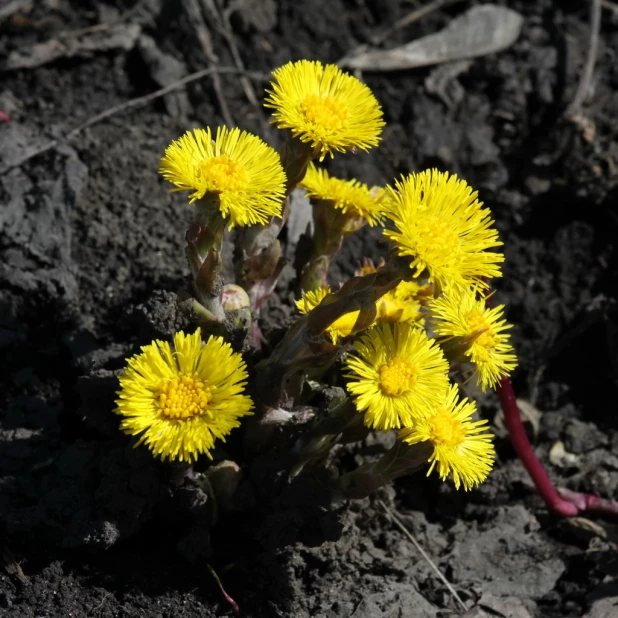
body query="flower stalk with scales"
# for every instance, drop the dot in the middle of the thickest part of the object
(236, 180)
(322, 111)
(340, 209)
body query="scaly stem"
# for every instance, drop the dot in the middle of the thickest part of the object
(262, 262)
(331, 227)
(401, 459)
(204, 238)
(305, 348)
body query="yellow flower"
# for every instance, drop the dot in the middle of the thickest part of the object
(462, 447)
(348, 196)
(237, 168)
(342, 327)
(181, 401)
(324, 107)
(442, 226)
(397, 376)
(402, 304)
(467, 324)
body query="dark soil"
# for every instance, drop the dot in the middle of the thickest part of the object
(92, 253)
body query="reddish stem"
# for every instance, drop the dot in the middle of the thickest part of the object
(524, 450)
(4, 117)
(586, 502)
(563, 502)
(227, 597)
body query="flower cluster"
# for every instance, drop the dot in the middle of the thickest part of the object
(424, 314)
(434, 321)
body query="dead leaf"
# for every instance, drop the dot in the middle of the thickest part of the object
(583, 529)
(482, 30)
(528, 413)
(300, 220)
(119, 36)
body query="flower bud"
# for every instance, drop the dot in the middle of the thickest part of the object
(237, 307)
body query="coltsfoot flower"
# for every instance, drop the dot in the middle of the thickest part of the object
(324, 107)
(398, 375)
(238, 168)
(342, 327)
(465, 323)
(462, 448)
(180, 401)
(442, 226)
(348, 196)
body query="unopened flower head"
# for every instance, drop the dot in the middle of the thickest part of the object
(348, 196)
(343, 327)
(238, 168)
(397, 375)
(179, 401)
(481, 332)
(461, 448)
(324, 107)
(442, 226)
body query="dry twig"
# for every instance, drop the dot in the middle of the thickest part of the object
(410, 18)
(138, 101)
(197, 19)
(13, 7)
(574, 109)
(400, 525)
(226, 30)
(11, 566)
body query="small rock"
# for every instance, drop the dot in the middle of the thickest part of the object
(510, 546)
(537, 185)
(603, 608)
(580, 437)
(559, 456)
(490, 606)
(259, 14)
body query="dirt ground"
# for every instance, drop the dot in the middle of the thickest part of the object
(91, 249)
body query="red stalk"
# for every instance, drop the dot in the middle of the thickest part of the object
(525, 452)
(562, 501)
(226, 596)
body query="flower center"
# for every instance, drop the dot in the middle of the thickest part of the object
(437, 237)
(446, 430)
(326, 112)
(223, 174)
(476, 323)
(397, 377)
(183, 397)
